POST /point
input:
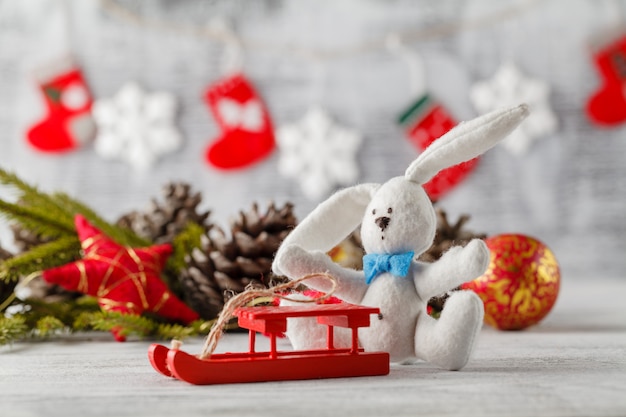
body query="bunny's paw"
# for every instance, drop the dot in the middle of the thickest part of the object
(296, 261)
(476, 257)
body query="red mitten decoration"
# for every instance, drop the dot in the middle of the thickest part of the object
(68, 123)
(608, 105)
(425, 121)
(123, 279)
(247, 133)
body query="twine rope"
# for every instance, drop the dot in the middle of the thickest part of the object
(120, 12)
(249, 296)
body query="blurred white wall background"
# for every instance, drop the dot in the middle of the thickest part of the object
(569, 190)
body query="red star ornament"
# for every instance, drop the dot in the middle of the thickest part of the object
(123, 279)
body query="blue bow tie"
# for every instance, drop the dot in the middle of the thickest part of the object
(375, 264)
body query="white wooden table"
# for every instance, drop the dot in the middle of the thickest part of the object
(572, 364)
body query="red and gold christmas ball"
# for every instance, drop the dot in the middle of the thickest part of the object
(521, 283)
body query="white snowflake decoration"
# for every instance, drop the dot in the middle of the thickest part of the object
(318, 153)
(509, 87)
(135, 126)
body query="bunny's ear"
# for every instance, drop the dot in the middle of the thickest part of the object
(464, 142)
(331, 221)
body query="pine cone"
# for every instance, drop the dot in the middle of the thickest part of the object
(162, 222)
(227, 264)
(197, 283)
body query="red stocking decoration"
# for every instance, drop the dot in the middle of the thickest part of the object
(425, 121)
(608, 105)
(68, 123)
(247, 133)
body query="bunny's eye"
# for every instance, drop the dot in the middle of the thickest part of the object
(374, 211)
(389, 210)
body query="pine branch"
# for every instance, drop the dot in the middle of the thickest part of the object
(176, 331)
(53, 215)
(39, 258)
(26, 190)
(37, 219)
(12, 329)
(121, 235)
(41, 319)
(48, 325)
(184, 243)
(30, 197)
(65, 311)
(125, 324)
(15, 328)
(142, 326)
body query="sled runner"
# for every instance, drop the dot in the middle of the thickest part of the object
(275, 365)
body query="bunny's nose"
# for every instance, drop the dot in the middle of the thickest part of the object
(382, 222)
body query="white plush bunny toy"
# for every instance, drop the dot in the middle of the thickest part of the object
(398, 224)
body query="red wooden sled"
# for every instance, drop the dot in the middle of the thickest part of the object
(253, 366)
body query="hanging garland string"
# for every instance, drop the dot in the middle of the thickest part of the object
(115, 9)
